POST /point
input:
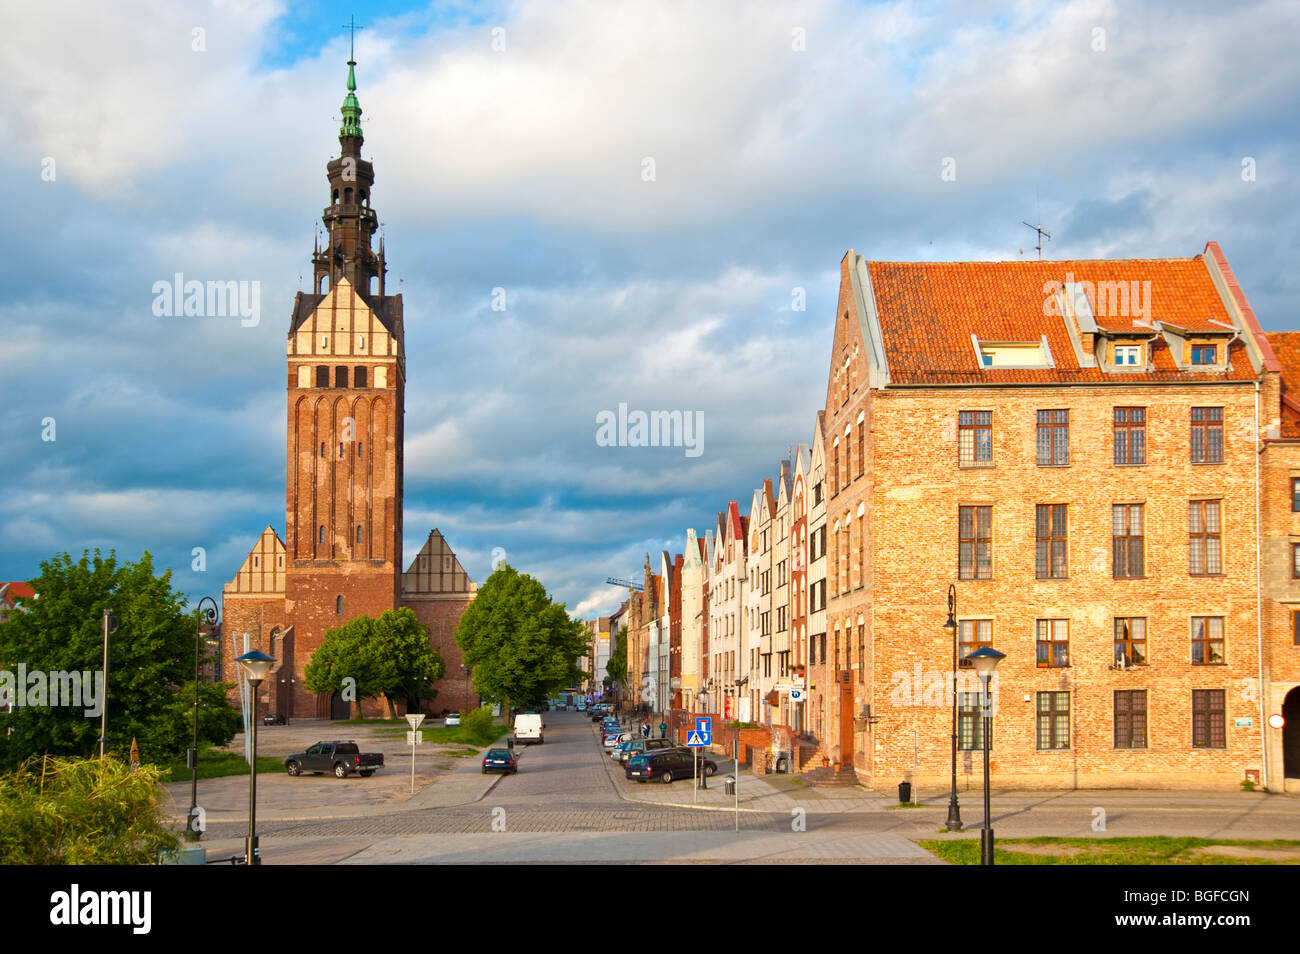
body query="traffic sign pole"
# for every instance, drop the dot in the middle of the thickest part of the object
(414, 719)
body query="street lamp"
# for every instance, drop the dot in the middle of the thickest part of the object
(110, 627)
(209, 616)
(256, 665)
(985, 660)
(950, 627)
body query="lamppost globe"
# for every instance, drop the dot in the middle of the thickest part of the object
(256, 665)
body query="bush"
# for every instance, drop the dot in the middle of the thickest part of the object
(478, 724)
(69, 811)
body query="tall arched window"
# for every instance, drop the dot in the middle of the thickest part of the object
(321, 538)
(338, 605)
(358, 533)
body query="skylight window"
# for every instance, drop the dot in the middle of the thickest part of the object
(1014, 354)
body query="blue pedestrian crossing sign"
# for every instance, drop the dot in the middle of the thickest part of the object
(694, 741)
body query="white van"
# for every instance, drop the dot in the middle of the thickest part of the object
(528, 728)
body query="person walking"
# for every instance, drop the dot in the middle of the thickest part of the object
(663, 730)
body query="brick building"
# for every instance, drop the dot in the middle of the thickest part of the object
(342, 551)
(1073, 445)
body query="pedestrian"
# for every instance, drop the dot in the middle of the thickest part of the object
(663, 730)
(645, 730)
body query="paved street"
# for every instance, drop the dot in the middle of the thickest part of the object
(570, 803)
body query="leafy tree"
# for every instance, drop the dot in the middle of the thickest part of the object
(150, 659)
(521, 646)
(389, 656)
(617, 665)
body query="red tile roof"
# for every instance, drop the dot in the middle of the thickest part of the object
(1286, 346)
(929, 310)
(18, 590)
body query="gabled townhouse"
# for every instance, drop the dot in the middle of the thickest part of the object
(692, 621)
(757, 652)
(1072, 447)
(798, 550)
(819, 676)
(727, 594)
(777, 674)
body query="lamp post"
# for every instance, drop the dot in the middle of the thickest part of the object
(985, 660)
(209, 616)
(950, 627)
(110, 627)
(256, 665)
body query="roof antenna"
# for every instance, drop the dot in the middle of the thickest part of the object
(1041, 233)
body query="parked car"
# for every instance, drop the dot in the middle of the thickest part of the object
(274, 718)
(340, 757)
(636, 746)
(666, 765)
(453, 718)
(614, 738)
(500, 760)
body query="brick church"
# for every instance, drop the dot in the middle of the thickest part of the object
(342, 549)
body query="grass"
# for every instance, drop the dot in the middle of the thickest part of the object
(444, 735)
(459, 753)
(1153, 850)
(214, 763)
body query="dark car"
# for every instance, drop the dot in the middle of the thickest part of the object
(638, 746)
(274, 718)
(341, 758)
(500, 760)
(667, 764)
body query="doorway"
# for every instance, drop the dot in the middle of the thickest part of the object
(1291, 734)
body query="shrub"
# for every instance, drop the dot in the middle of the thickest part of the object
(69, 811)
(478, 725)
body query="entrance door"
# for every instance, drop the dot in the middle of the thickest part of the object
(1291, 734)
(844, 677)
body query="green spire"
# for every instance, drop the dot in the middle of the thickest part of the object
(351, 107)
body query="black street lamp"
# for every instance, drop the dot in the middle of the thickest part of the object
(209, 616)
(256, 665)
(985, 660)
(950, 627)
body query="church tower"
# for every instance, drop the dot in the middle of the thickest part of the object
(346, 400)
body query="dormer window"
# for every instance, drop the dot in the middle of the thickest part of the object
(1013, 354)
(1128, 356)
(1205, 354)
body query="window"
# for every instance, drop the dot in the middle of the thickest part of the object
(823, 651)
(1128, 355)
(1130, 435)
(1295, 493)
(862, 652)
(1205, 354)
(975, 543)
(1130, 719)
(322, 376)
(359, 376)
(970, 723)
(862, 446)
(322, 448)
(974, 438)
(1295, 628)
(1130, 641)
(338, 605)
(1207, 640)
(1207, 435)
(1295, 561)
(1053, 643)
(1053, 438)
(1049, 547)
(359, 454)
(1204, 543)
(1208, 719)
(1126, 540)
(321, 537)
(1054, 720)
(358, 533)
(972, 634)
(341, 377)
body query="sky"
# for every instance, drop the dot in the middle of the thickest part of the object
(658, 192)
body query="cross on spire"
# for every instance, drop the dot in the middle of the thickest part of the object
(352, 28)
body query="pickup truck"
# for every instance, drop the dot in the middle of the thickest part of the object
(341, 758)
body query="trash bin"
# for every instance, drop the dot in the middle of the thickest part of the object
(731, 784)
(904, 792)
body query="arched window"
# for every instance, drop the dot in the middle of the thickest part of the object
(347, 196)
(338, 605)
(322, 376)
(336, 195)
(358, 448)
(322, 448)
(321, 538)
(358, 533)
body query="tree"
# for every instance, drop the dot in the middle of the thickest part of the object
(521, 646)
(389, 656)
(617, 665)
(150, 656)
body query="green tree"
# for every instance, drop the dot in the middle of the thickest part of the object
(522, 646)
(389, 656)
(150, 660)
(617, 665)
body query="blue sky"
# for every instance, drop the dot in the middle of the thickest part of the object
(522, 168)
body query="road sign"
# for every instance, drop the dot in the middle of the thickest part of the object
(695, 740)
(415, 738)
(796, 695)
(1276, 720)
(797, 680)
(414, 718)
(704, 729)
